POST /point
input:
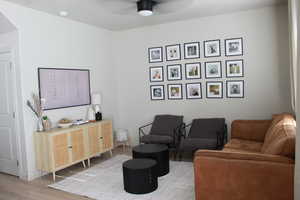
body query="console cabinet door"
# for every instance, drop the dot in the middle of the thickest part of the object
(107, 136)
(60, 148)
(77, 145)
(94, 140)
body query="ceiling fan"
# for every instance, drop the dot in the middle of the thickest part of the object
(145, 7)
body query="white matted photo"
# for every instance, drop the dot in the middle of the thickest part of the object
(157, 92)
(234, 68)
(193, 91)
(156, 74)
(213, 69)
(193, 70)
(234, 47)
(214, 89)
(212, 48)
(174, 91)
(155, 54)
(174, 72)
(191, 50)
(235, 89)
(173, 52)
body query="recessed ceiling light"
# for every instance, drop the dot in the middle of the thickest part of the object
(63, 13)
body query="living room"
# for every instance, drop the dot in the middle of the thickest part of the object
(114, 48)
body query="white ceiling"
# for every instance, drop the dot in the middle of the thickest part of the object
(5, 25)
(102, 13)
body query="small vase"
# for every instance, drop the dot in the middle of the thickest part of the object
(40, 126)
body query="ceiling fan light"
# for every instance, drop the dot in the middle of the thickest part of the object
(145, 13)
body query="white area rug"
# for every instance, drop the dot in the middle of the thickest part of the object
(105, 182)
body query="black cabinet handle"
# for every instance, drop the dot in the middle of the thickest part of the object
(70, 147)
(101, 138)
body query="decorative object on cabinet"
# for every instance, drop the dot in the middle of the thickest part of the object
(234, 68)
(36, 108)
(173, 52)
(214, 89)
(193, 70)
(156, 74)
(157, 92)
(234, 47)
(213, 69)
(191, 50)
(193, 91)
(60, 148)
(235, 89)
(212, 48)
(155, 54)
(174, 91)
(96, 101)
(174, 72)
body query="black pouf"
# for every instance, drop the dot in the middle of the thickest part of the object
(157, 152)
(139, 176)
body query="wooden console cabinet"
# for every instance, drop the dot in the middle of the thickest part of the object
(61, 148)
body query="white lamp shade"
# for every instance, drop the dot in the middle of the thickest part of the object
(96, 99)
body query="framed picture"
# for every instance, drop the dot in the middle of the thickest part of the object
(174, 91)
(155, 54)
(193, 91)
(193, 71)
(157, 92)
(156, 74)
(213, 69)
(235, 89)
(234, 68)
(191, 50)
(174, 72)
(234, 47)
(214, 89)
(173, 52)
(212, 48)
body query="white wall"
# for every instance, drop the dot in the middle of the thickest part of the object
(50, 41)
(265, 33)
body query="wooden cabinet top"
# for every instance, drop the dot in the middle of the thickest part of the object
(74, 127)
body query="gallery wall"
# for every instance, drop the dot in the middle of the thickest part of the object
(266, 70)
(49, 41)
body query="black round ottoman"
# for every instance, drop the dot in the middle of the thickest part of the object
(139, 176)
(157, 152)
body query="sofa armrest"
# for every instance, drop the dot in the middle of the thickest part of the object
(254, 130)
(242, 176)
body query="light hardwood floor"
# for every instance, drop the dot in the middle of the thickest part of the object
(12, 188)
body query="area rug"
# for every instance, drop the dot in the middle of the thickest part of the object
(105, 182)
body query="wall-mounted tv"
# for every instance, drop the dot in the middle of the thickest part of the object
(63, 88)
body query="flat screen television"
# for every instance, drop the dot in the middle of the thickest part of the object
(63, 88)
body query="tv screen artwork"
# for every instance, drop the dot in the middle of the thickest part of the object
(62, 88)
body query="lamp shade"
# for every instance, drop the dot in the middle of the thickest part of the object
(96, 99)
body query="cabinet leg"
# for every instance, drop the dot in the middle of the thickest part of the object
(83, 163)
(111, 153)
(89, 162)
(53, 175)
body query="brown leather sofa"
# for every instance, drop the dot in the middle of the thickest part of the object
(257, 163)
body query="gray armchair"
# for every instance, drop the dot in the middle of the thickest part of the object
(208, 134)
(165, 129)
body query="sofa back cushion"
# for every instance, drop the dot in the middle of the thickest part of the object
(281, 136)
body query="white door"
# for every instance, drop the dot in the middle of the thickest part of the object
(8, 153)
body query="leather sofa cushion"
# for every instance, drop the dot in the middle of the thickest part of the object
(280, 138)
(244, 145)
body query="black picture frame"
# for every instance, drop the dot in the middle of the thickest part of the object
(242, 47)
(162, 74)
(185, 52)
(179, 52)
(168, 73)
(222, 90)
(242, 66)
(186, 72)
(204, 48)
(186, 90)
(161, 55)
(163, 93)
(181, 92)
(235, 81)
(220, 69)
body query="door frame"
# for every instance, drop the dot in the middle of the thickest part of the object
(17, 105)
